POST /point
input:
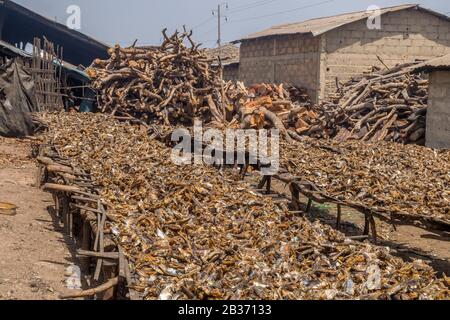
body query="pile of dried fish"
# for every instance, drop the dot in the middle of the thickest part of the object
(385, 177)
(172, 83)
(380, 106)
(193, 232)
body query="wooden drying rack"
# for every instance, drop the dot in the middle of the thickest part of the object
(75, 195)
(77, 200)
(298, 186)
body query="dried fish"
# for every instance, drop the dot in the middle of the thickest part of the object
(384, 176)
(228, 243)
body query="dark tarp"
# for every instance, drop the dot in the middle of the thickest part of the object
(17, 100)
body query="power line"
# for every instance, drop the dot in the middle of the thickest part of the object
(203, 23)
(282, 12)
(251, 6)
(211, 30)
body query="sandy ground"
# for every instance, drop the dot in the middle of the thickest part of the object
(33, 251)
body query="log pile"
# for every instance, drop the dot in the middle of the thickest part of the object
(192, 232)
(386, 105)
(170, 84)
(252, 103)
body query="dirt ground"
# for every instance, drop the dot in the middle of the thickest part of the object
(33, 252)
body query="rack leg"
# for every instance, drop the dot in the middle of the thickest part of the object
(66, 214)
(263, 182)
(308, 207)
(373, 228)
(366, 225)
(295, 195)
(244, 170)
(269, 185)
(339, 216)
(85, 245)
(57, 205)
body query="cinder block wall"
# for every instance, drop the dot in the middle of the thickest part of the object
(293, 59)
(231, 72)
(438, 115)
(404, 36)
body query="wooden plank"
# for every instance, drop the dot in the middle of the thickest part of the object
(102, 255)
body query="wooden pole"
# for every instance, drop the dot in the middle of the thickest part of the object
(92, 292)
(219, 40)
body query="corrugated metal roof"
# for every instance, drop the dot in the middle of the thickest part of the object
(58, 26)
(13, 50)
(19, 52)
(71, 68)
(441, 63)
(315, 27)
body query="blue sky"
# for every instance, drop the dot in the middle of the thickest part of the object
(118, 21)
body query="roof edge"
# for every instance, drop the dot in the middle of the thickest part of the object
(61, 27)
(400, 8)
(436, 64)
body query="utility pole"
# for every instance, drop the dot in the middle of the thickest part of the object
(219, 45)
(219, 23)
(218, 29)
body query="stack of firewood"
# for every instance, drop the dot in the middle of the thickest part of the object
(381, 106)
(265, 105)
(170, 84)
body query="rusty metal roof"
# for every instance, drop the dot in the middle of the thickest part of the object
(315, 27)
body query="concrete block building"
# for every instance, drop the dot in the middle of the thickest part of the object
(316, 53)
(229, 54)
(438, 114)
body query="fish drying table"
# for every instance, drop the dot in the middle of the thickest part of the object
(308, 189)
(69, 183)
(298, 186)
(76, 200)
(295, 186)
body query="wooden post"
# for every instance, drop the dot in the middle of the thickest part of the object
(57, 206)
(373, 228)
(308, 207)
(339, 216)
(366, 224)
(269, 185)
(263, 182)
(244, 171)
(295, 195)
(65, 214)
(85, 245)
